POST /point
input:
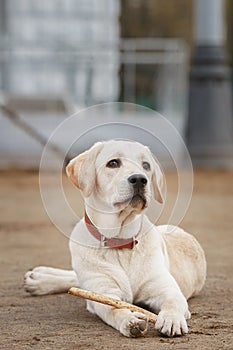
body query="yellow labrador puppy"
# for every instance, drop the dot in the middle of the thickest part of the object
(118, 252)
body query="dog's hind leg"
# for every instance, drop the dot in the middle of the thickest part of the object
(47, 280)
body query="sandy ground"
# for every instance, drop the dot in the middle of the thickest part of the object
(27, 239)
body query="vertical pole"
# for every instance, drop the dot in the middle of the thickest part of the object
(210, 123)
(3, 33)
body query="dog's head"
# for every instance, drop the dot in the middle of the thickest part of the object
(117, 174)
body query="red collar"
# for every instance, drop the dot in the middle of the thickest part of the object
(114, 243)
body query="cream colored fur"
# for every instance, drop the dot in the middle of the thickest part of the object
(163, 270)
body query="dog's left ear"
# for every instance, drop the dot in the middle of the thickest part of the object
(81, 169)
(157, 182)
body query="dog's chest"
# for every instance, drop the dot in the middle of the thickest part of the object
(134, 263)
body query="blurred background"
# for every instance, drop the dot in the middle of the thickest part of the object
(58, 57)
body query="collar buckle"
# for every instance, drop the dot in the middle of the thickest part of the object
(135, 241)
(103, 241)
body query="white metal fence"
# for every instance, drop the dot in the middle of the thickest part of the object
(59, 48)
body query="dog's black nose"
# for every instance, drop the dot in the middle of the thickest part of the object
(137, 180)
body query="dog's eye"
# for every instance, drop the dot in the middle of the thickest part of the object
(146, 165)
(114, 163)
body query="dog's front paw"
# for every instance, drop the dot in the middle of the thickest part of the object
(171, 323)
(135, 325)
(36, 283)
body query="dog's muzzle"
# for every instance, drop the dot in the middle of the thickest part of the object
(138, 183)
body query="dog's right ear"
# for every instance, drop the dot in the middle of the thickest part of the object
(81, 169)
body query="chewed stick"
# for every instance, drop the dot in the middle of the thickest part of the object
(103, 299)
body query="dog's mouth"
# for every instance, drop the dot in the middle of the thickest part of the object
(134, 201)
(138, 200)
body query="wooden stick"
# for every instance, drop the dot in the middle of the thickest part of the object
(103, 299)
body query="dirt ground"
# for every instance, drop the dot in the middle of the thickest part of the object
(28, 239)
